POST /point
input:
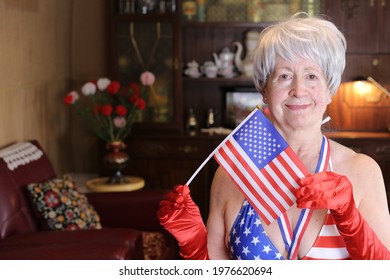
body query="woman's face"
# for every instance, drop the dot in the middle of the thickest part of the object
(297, 94)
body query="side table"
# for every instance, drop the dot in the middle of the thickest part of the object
(100, 184)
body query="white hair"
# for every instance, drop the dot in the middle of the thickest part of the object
(304, 37)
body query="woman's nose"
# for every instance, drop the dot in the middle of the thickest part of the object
(297, 87)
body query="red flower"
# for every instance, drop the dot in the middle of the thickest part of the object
(133, 87)
(121, 110)
(72, 227)
(141, 104)
(68, 99)
(113, 87)
(52, 199)
(106, 110)
(133, 98)
(71, 98)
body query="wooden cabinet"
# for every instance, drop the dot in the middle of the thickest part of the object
(367, 30)
(367, 26)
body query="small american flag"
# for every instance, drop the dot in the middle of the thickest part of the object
(263, 165)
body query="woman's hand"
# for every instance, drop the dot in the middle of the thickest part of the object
(181, 217)
(328, 190)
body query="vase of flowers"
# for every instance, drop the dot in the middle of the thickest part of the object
(110, 111)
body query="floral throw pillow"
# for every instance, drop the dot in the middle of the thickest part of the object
(61, 206)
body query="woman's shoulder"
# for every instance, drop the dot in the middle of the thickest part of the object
(223, 183)
(345, 158)
(362, 170)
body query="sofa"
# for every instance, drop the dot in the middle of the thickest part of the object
(125, 225)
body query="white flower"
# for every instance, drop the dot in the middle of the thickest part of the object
(88, 88)
(103, 83)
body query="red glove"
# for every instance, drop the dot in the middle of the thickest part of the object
(179, 215)
(328, 190)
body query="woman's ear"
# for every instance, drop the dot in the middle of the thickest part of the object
(330, 96)
(264, 95)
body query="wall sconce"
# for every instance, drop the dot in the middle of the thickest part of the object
(368, 89)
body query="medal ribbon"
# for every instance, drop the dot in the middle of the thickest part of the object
(292, 240)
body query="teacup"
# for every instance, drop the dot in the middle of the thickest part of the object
(193, 72)
(227, 72)
(209, 69)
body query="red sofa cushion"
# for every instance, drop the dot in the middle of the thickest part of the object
(20, 164)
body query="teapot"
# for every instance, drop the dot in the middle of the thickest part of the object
(225, 62)
(245, 66)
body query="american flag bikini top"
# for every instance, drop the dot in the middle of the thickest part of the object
(249, 241)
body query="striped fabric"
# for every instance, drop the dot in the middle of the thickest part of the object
(263, 166)
(329, 245)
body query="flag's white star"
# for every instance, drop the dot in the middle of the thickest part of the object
(245, 250)
(278, 256)
(266, 249)
(255, 240)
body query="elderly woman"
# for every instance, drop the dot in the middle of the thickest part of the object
(298, 68)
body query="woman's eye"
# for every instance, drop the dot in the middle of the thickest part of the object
(312, 77)
(284, 76)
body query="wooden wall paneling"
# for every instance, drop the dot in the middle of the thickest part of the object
(366, 29)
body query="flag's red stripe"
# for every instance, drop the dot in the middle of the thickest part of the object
(246, 183)
(289, 170)
(330, 242)
(256, 179)
(280, 175)
(298, 163)
(261, 213)
(249, 172)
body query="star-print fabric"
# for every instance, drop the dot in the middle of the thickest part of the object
(248, 239)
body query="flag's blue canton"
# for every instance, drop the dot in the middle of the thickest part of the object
(248, 239)
(260, 140)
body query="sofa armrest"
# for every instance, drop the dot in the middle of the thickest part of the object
(136, 209)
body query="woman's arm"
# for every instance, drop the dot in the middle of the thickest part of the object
(370, 195)
(216, 229)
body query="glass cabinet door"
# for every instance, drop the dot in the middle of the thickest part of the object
(149, 43)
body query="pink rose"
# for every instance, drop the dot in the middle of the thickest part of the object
(119, 122)
(147, 78)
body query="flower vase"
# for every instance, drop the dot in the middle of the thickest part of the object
(116, 159)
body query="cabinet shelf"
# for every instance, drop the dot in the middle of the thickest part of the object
(226, 24)
(239, 80)
(145, 18)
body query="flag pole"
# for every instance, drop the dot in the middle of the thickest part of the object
(222, 143)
